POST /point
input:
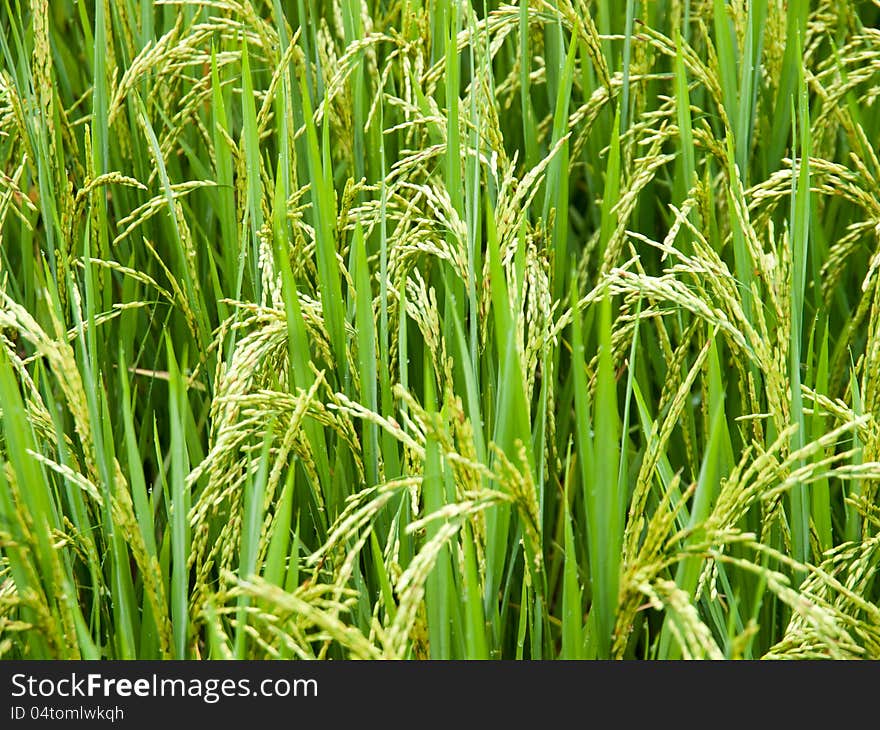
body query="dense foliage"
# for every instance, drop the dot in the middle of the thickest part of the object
(436, 329)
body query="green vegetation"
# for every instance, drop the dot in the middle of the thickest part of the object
(436, 329)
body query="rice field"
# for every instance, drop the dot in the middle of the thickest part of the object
(430, 329)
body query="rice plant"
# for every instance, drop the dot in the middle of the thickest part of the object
(438, 329)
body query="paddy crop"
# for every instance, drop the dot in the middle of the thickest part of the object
(362, 329)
